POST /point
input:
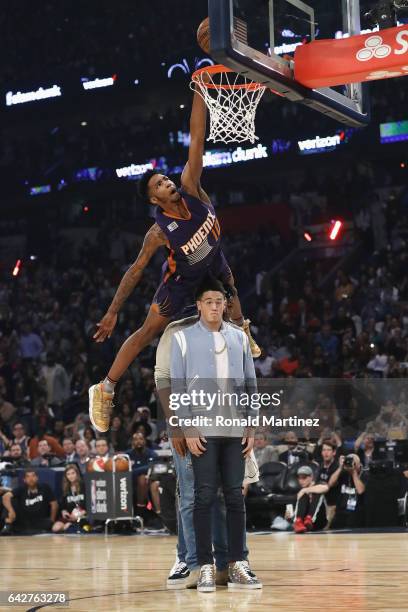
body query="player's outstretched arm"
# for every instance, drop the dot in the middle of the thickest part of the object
(190, 179)
(153, 240)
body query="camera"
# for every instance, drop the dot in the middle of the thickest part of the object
(385, 13)
(349, 461)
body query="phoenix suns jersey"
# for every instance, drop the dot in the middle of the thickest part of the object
(194, 242)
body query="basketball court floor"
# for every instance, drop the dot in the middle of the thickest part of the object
(360, 571)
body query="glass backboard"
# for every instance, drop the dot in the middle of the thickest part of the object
(258, 38)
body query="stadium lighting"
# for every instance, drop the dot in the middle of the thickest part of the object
(334, 232)
(17, 267)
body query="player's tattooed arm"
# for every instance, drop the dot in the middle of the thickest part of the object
(153, 240)
(190, 179)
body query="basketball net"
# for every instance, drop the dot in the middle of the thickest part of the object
(232, 100)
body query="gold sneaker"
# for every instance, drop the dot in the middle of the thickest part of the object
(100, 406)
(255, 350)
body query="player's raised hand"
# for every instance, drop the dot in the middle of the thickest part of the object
(105, 327)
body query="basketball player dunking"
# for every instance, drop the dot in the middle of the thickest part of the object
(187, 225)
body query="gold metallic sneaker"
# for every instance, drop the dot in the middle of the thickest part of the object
(206, 579)
(100, 407)
(240, 577)
(255, 350)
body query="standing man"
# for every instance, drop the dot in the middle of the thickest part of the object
(184, 573)
(217, 354)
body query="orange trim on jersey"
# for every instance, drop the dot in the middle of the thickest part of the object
(216, 230)
(172, 266)
(177, 217)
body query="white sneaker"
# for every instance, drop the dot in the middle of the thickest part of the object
(178, 576)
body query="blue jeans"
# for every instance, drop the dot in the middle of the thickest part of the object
(186, 547)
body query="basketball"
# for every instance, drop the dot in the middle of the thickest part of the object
(121, 465)
(96, 465)
(203, 35)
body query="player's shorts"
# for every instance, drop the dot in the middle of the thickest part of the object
(177, 292)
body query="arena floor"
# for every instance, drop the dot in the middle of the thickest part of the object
(365, 571)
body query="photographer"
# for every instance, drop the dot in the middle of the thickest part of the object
(350, 483)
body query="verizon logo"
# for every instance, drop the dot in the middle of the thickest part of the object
(123, 491)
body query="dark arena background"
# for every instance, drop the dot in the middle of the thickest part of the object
(311, 211)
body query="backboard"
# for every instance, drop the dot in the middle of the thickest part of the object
(258, 38)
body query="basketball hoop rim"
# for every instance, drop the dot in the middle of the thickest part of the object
(220, 69)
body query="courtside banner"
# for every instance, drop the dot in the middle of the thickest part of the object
(367, 57)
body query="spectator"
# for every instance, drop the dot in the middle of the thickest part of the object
(4, 440)
(6, 373)
(293, 454)
(90, 438)
(7, 410)
(350, 483)
(20, 437)
(29, 508)
(142, 457)
(82, 453)
(17, 457)
(328, 342)
(143, 428)
(31, 345)
(342, 323)
(72, 505)
(379, 362)
(310, 510)
(263, 366)
(79, 388)
(55, 448)
(264, 452)
(69, 450)
(331, 437)
(102, 449)
(59, 430)
(145, 417)
(345, 287)
(45, 458)
(118, 437)
(328, 465)
(163, 441)
(56, 382)
(365, 448)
